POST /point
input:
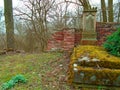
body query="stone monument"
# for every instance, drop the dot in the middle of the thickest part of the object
(89, 36)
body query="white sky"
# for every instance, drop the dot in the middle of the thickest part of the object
(16, 2)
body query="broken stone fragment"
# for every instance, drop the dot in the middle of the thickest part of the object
(75, 65)
(75, 69)
(95, 59)
(87, 59)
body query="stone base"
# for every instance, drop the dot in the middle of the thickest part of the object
(88, 42)
(89, 35)
(90, 76)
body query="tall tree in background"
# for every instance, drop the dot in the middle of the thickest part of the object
(103, 7)
(118, 20)
(107, 17)
(8, 11)
(110, 10)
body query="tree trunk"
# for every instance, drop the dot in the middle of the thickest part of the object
(118, 20)
(8, 11)
(110, 10)
(103, 7)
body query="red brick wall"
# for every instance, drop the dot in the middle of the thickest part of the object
(105, 29)
(78, 37)
(69, 39)
(55, 41)
(66, 39)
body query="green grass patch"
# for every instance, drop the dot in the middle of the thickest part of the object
(32, 66)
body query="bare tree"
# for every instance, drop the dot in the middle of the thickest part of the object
(110, 10)
(107, 17)
(9, 23)
(60, 16)
(1, 14)
(1, 21)
(103, 7)
(36, 16)
(65, 16)
(118, 20)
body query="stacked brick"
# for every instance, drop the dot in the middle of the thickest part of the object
(69, 39)
(105, 29)
(65, 39)
(58, 38)
(50, 44)
(78, 37)
(55, 41)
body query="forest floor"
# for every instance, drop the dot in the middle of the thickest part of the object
(45, 71)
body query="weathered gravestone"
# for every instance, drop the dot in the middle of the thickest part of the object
(89, 27)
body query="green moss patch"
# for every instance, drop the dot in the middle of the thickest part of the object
(94, 63)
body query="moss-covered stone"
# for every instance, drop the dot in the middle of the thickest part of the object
(93, 65)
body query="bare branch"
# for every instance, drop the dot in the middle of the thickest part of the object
(22, 13)
(70, 2)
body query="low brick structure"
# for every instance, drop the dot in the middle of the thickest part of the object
(55, 41)
(64, 39)
(68, 38)
(105, 29)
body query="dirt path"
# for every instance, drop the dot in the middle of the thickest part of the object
(57, 77)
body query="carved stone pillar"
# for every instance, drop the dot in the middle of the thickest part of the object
(89, 27)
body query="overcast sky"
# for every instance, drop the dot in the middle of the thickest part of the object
(16, 2)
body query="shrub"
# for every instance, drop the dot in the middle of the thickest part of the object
(112, 44)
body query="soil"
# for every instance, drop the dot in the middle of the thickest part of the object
(56, 79)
